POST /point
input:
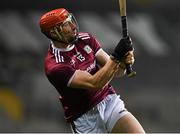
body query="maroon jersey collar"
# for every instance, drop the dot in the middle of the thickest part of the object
(61, 49)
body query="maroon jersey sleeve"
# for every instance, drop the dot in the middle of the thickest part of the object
(95, 45)
(61, 74)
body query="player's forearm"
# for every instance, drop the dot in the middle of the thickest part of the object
(105, 74)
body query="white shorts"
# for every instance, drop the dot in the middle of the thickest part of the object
(101, 118)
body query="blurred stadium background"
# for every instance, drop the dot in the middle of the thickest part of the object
(28, 103)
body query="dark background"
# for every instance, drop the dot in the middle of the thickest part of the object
(28, 103)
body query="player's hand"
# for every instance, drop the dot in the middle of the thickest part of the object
(122, 48)
(128, 59)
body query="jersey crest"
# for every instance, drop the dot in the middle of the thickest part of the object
(87, 49)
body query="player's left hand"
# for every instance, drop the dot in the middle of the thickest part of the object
(122, 48)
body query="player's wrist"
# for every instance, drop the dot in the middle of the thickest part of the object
(114, 59)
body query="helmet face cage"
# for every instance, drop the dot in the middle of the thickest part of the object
(70, 20)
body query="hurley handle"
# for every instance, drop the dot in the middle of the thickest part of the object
(129, 70)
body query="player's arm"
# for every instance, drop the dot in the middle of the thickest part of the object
(83, 79)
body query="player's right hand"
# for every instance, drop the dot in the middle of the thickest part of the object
(129, 58)
(122, 48)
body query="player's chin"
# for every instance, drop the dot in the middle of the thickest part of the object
(72, 39)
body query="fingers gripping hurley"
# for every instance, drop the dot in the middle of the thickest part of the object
(122, 5)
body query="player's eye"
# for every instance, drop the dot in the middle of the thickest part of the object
(68, 23)
(65, 24)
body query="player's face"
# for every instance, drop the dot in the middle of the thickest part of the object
(69, 29)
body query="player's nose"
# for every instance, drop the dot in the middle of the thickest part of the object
(73, 26)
